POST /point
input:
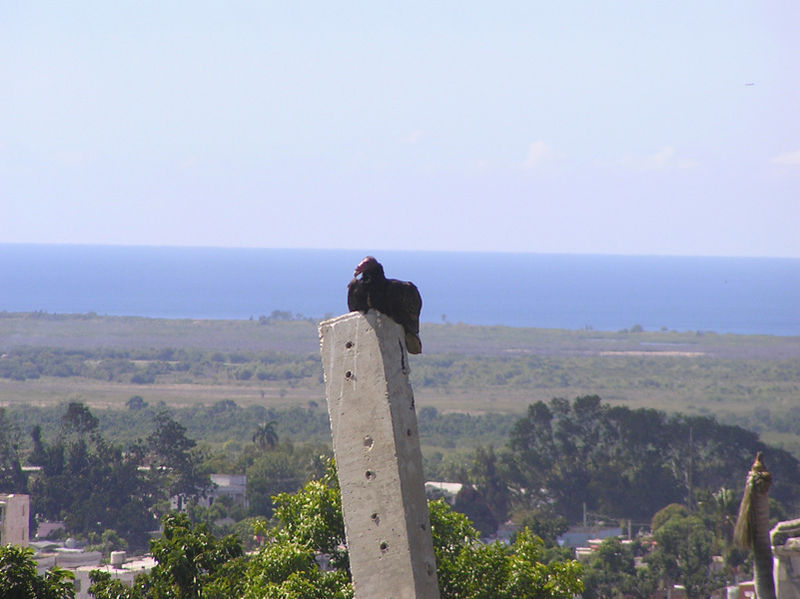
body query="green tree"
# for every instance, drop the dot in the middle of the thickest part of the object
(91, 484)
(667, 513)
(310, 523)
(20, 580)
(313, 516)
(475, 507)
(559, 448)
(177, 463)
(683, 555)
(105, 587)
(189, 558)
(545, 524)
(265, 435)
(271, 473)
(78, 418)
(193, 564)
(12, 477)
(136, 402)
(491, 482)
(610, 573)
(107, 542)
(628, 463)
(468, 569)
(719, 510)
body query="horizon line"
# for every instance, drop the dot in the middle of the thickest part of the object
(388, 250)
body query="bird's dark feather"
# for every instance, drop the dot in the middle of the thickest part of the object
(399, 300)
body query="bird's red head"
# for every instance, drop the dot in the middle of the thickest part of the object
(367, 264)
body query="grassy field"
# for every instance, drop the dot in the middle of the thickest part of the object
(753, 381)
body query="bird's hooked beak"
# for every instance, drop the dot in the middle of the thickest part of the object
(364, 265)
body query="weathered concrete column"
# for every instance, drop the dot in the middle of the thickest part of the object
(785, 538)
(376, 444)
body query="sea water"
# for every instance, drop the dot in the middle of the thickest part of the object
(726, 295)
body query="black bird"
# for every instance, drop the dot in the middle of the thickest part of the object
(399, 300)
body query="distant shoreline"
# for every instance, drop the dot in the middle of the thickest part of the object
(282, 333)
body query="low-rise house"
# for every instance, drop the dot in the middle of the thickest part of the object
(579, 536)
(14, 519)
(67, 558)
(229, 485)
(437, 490)
(120, 568)
(223, 485)
(82, 563)
(46, 528)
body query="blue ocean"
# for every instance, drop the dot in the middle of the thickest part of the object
(726, 295)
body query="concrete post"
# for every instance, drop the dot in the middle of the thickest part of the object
(785, 539)
(376, 444)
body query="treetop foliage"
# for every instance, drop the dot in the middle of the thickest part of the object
(309, 527)
(20, 580)
(627, 463)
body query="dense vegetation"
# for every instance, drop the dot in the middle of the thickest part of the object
(109, 466)
(95, 485)
(225, 424)
(750, 381)
(749, 393)
(630, 463)
(20, 580)
(102, 488)
(561, 458)
(142, 366)
(613, 460)
(193, 563)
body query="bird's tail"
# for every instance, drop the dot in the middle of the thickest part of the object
(413, 343)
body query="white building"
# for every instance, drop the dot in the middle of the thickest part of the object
(120, 569)
(64, 557)
(439, 489)
(229, 485)
(14, 515)
(581, 536)
(224, 485)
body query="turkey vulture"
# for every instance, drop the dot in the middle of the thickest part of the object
(399, 300)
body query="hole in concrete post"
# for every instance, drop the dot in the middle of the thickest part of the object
(368, 442)
(348, 374)
(408, 432)
(384, 546)
(349, 344)
(369, 474)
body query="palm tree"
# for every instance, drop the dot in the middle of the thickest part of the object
(752, 527)
(265, 435)
(722, 507)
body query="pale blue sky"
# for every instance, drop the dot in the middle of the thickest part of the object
(582, 127)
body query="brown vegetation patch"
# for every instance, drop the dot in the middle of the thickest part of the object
(672, 353)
